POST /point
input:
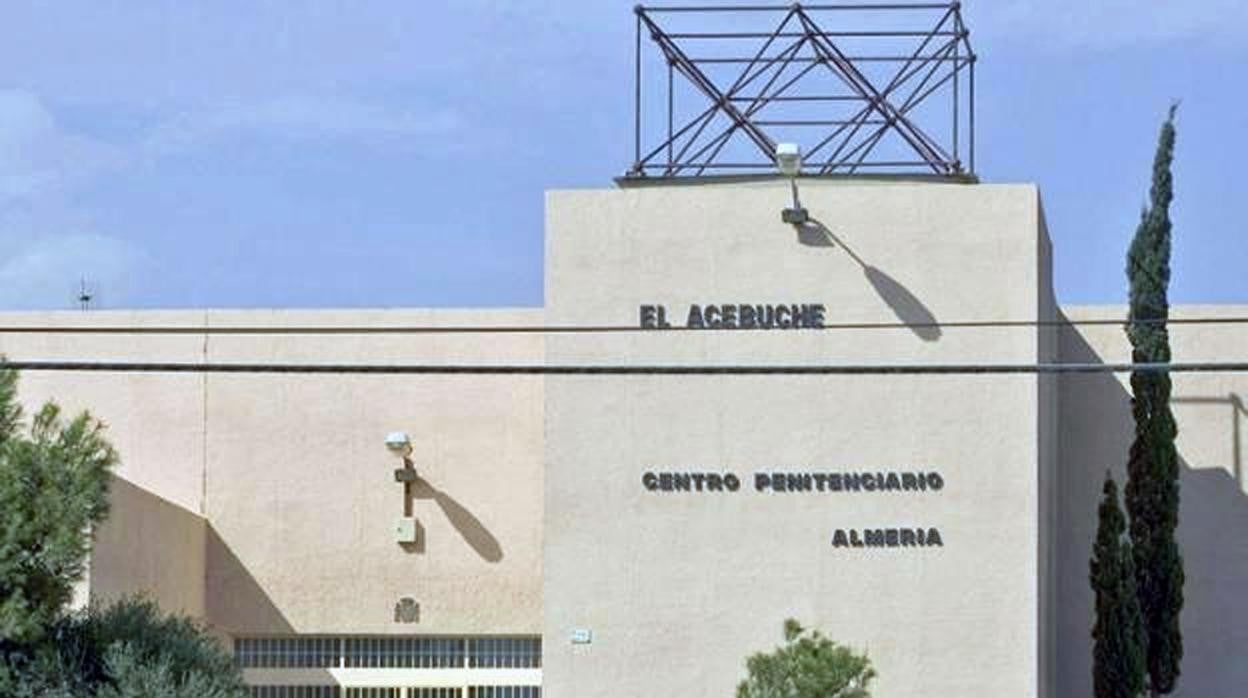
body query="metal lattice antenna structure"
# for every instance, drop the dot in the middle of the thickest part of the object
(863, 88)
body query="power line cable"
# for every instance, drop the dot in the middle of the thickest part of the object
(620, 370)
(583, 329)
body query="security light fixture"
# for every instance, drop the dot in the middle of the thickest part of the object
(398, 444)
(789, 163)
(789, 159)
(401, 446)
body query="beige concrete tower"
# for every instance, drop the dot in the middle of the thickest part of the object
(900, 514)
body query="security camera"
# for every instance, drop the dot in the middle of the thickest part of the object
(398, 443)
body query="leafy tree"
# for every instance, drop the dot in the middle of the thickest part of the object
(808, 665)
(1118, 634)
(53, 491)
(1152, 491)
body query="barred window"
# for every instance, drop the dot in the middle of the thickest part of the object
(374, 692)
(404, 652)
(286, 652)
(390, 652)
(505, 692)
(505, 652)
(434, 693)
(294, 692)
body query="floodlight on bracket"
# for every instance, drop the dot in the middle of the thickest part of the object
(789, 164)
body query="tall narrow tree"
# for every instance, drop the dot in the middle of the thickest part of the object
(1152, 491)
(1118, 633)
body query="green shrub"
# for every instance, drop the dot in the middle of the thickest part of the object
(807, 665)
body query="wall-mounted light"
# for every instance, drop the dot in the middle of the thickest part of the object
(406, 530)
(398, 444)
(789, 163)
(789, 159)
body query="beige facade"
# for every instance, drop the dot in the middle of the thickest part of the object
(265, 504)
(1096, 430)
(594, 511)
(689, 583)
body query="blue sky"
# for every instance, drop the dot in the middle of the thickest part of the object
(313, 154)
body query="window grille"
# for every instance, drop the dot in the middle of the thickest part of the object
(505, 692)
(404, 652)
(294, 692)
(374, 692)
(505, 652)
(388, 652)
(413, 692)
(434, 693)
(286, 652)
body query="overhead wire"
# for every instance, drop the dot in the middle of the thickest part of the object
(605, 369)
(583, 329)
(627, 370)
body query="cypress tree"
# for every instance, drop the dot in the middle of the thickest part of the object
(1118, 634)
(1152, 491)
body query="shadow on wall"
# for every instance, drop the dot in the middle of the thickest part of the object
(905, 305)
(1095, 433)
(465, 522)
(1237, 411)
(236, 603)
(151, 546)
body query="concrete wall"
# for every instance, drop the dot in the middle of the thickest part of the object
(291, 477)
(1047, 483)
(678, 588)
(302, 498)
(152, 546)
(1095, 434)
(155, 421)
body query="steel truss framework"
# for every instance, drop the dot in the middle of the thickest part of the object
(752, 81)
